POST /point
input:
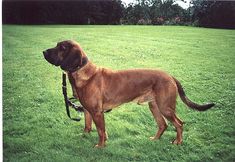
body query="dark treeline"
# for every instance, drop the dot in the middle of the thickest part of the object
(62, 12)
(219, 14)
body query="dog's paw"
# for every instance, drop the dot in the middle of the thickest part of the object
(153, 138)
(99, 146)
(87, 130)
(177, 142)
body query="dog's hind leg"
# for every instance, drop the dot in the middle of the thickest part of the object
(166, 101)
(159, 120)
(168, 112)
(179, 128)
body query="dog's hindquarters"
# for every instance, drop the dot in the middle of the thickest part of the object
(164, 107)
(166, 91)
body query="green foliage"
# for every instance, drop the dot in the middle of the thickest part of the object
(217, 14)
(156, 12)
(35, 125)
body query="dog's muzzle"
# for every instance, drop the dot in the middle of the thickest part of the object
(50, 59)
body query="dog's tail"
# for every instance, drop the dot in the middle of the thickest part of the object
(188, 102)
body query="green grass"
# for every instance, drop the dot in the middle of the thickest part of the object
(35, 125)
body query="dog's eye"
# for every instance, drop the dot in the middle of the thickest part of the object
(62, 48)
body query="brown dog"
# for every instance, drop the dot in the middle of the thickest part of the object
(100, 89)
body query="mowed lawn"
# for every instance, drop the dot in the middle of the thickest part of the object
(35, 125)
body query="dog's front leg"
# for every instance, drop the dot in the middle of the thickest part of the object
(72, 83)
(98, 118)
(88, 121)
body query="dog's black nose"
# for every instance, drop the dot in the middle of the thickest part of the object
(44, 52)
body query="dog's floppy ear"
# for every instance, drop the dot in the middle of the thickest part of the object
(73, 60)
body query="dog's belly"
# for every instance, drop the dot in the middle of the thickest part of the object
(147, 97)
(141, 99)
(127, 93)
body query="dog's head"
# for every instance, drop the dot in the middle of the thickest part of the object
(66, 54)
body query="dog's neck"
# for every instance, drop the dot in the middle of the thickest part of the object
(83, 74)
(84, 62)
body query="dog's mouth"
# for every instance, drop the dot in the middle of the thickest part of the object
(51, 60)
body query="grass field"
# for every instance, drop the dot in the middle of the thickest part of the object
(35, 125)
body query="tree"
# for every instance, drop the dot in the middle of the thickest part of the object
(62, 12)
(218, 14)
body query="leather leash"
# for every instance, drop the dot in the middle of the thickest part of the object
(68, 101)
